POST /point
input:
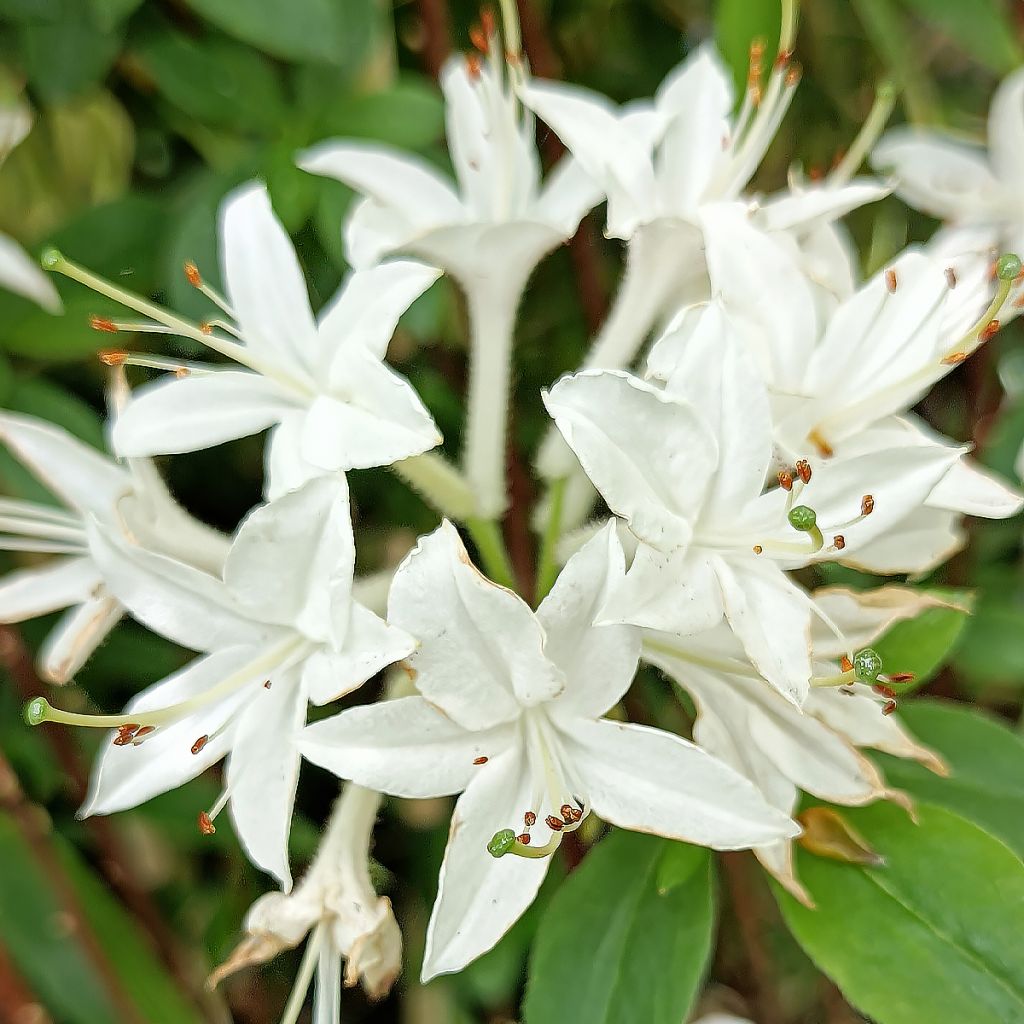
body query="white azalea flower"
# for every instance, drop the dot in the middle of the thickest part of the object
(686, 468)
(509, 716)
(279, 628)
(781, 748)
(129, 499)
(322, 386)
(488, 231)
(335, 905)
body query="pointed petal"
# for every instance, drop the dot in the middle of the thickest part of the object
(368, 305)
(818, 203)
(79, 632)
(649, 454)
(263, 772)
(566, 196)
(186, 414)
(26, 593)
(599, 661)
(403, 747)
(651, 781)
(972, 490)
(479, 898)
(916, 544)
(20, 274)
(264, 280)
(481, 648)
(78, 474)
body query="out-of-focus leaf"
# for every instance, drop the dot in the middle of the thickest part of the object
(109, 13)
(924, 644)
(68, 54)
(301, 30)
(982, 28)
(737, 24)
(410, 114)
(211, 78)
(933, 936)
(333, 204)
(987, 763)
(627, 937)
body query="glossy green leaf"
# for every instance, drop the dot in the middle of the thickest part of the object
(981, 28)
(987, 762)
(627, 937)
(934, 936)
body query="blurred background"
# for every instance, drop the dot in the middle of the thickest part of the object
(147, 112)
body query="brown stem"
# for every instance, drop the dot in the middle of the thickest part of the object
(437, 43)
(114, 860)
(18, 1004)
(518, 537)
(750, 915)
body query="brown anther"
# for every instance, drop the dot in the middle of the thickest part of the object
(951, 277)
(566, 811)
(267, 685)
(524, 839)
(783, 58)
(478, 38)
(145, 731)
(845, 664)
(803, 470)
(553, 823)
(757, 48)
(112, 357)
(758, 549)
(989, 330)
(192, 274)
(206, 826)
(530, 819)
(953, 359)
(200, 743)
(816, 172)
(884, 691)
(577, 814)
(793, 75)
(487, 22)
(1018, 303)
(890, 707)
(206, 328)
(891, 281)
(848, 691)
(839, 542)
(901, 677)
(785, 479)
(102, 323)
(125, 734)
(479, 760)
(867, 505)
(473, 66)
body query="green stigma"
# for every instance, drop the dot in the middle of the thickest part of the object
(867, 665)
(1008, 267)
(803, 518)
(51, 258)
(501, 842)
(37, 711)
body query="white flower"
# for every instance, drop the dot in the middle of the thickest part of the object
(322, 386)
(781, 748)
(686, 468)
(510, 717)
(128, 499)
(336, 905)
(280, 628)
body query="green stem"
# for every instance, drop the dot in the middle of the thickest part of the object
(547, 570)
(439, 483)
(490, 546)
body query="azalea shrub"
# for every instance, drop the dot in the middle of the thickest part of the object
(511, 514)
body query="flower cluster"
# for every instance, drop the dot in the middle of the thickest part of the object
(766, 430)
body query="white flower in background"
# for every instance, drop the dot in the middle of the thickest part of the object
(783, 749)
(488, 230)
(335, 905)
(322, 386)
(510, 716)
(18, 271)
(279, 628)
(686, 468)
(122, 499)
(841, 384)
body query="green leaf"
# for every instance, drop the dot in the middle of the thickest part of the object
(987, 763)
(924, 644)
(409, 114)
(322, 31)
(737, 24)
(109, 13)
(982, 28)
(934, 936)
(627, 937)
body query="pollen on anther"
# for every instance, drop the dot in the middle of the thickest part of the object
(783, 58)
(192, 274)
(524, 838)
(845, 664)
(758, 549)
(102, 323)
(885, 691)
(803, 470)
(530, 819)
(566, 811)
(200, 743)
(112, 357)
(867, 505)
(951, 278)
(553, 823)
(890, 707)
(142, 733)
(839, 542)
(785, 479)
(989, 330)
(267, 685)
(891, 281)
(206, 826)
(901, 677)
(954, 358)
(206, 328)
(479, 760)
(125, 734)
(473, 66)
(478, 38)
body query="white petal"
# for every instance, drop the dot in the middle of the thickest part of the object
(1006, 128)
(83, 477)
(772, 619)
(480, 653)
(79, 632)
(126, 776)
(818, 203)
(372, 232)
(599, 662)
(649, 454)
(946, 179)
(26, 593)
(479, 898)
(971, 489)
(265, 284)
(20, 274)
(292, 560)
(368, 305)
(263, 772)
(403, 747)
(651, 781)
(286, 468)
(567, 194)
(186, 414)
(918, 543)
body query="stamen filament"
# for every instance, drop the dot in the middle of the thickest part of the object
(42, 547)
(878, 117)
(310, 958)
(43, 513)
(31, 527)
(732, 666)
